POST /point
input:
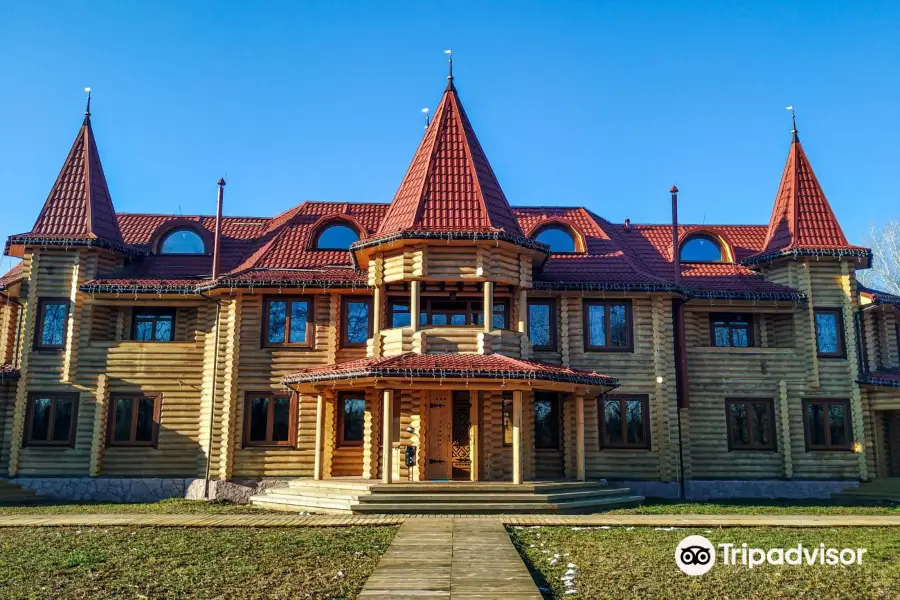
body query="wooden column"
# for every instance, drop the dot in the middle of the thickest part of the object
(414, 304)
(320, 437)
(579, 437)
(488, 305)
(474, 436)
(517, 438)
(376, 310)
(387, 446)
(523, 311)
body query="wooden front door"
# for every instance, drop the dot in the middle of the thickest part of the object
(439, 435)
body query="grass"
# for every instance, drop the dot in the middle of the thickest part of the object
(170, 506)
(757, 507)
(640, 563)
(133, 562)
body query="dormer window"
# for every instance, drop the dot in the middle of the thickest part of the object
(336, 237)
(701, 248)
(559, 238)
(183, 240)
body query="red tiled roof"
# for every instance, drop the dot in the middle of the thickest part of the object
(79, 206)
(802, 219)
(8, 372)
(450, 184)
(12, 277)
(450, 366)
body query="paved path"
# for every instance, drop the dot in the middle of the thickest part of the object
(290, 520)
(459, 559)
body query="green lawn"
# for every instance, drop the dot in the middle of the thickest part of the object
(170, 506)
(639, 562)
(133, 562)
(757, 507)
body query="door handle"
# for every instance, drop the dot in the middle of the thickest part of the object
(435, 461)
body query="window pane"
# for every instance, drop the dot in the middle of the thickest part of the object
(354, 416)
(740, 425)
(281, 428)
(827, 333)
(815, 415)
(182, 241)
(357, 322)
(836, 424)
(546, 424)
(143, 329)
(164, 331)
(259, 414)
(145, 420)
(612, 422)
(400, 315)
(122, 428)
(539, 324)
(62, 421)
(635, 422)
(41, 420)
(596, 324)
(558, 239)
(618, 325)
(507, 422)
(277, 321)
(438, 318)
(457, 319)
(761, 423)
(739, 337)
(722, 336)
(499, 318)
(299, 317)
(53, 327)
(337, 237)
(700, 248)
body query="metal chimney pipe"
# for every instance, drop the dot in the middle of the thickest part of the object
(220, 196)
(676, 259)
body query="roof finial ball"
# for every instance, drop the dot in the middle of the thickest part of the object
(87, 111)
(793, 121)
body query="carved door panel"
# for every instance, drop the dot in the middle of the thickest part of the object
(439, 435)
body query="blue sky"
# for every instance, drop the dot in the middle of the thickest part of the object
(601, 104)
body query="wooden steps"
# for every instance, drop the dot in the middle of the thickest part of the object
(879, 490)
(336, 496)
(12, 494)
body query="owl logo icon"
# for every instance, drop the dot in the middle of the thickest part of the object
(695, 555)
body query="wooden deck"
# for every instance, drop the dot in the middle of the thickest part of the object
(451, 558)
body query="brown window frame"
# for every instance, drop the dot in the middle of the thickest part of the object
(731, 318)
(586, 326)
(310, 322)
(848, 426)
(557, 401)
(157, 312)
(246, 442)
(622, 399)
(39, 329)
(842, 349)
(345, 300)
(29, 420)
(733, 445)
(111, 421)
(398, 301)
(342, 396)
(551, 302)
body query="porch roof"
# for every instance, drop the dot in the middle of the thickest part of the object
(410, 366)
(886, 378)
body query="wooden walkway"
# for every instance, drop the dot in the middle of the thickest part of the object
(432, 521)
(460, 559)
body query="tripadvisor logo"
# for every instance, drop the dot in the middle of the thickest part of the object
(695, 555)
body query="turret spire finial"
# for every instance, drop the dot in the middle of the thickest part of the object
(793, 123)
(449, 54)
(87, 111)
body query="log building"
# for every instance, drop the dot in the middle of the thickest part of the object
(444, 336)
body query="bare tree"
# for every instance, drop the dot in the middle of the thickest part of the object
(885, 272)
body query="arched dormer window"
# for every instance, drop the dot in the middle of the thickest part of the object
(336, 236)
(701, 248)
(182, 240)
(560, 238)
